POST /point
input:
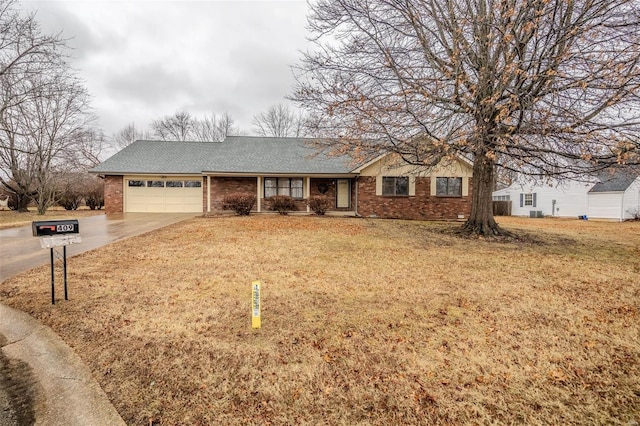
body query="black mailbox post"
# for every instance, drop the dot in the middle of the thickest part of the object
(45, 228)
(53, 233)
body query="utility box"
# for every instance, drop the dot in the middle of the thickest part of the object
(45, 228)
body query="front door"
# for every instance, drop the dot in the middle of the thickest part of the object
(343, 193)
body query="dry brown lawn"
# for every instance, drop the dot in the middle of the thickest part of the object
(364, 322)
(12, 219)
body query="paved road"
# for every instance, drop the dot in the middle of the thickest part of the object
(42, 381)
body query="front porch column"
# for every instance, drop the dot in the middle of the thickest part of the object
(307, 191)
(258, 198)
(208, 194)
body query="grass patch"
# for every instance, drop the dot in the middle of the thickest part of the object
(363, 322)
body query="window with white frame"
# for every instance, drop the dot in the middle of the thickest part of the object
(528, 200)
(449, 187)
(292, 187)
(397, 186)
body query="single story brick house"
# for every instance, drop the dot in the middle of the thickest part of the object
(166, 176)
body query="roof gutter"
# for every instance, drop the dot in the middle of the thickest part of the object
(288, 174)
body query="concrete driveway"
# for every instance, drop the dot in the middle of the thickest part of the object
(46, 382)
(20, 251)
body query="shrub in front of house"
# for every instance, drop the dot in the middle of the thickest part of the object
(282, 204)
(94, 193)
(70, 199)
(319, 204)
(239, 202)
(94, 201)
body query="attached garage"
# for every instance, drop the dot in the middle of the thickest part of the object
(161, 194)
(617, 198)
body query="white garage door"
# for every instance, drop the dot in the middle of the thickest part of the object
(170, 195)
(605, 205)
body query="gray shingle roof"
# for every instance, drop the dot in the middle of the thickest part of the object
(617, 182)
(237, 154)
(159, 157)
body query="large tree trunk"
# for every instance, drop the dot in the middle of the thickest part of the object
(481, 221)
(22, 202)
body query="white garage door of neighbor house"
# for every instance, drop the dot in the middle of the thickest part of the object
(170, 195)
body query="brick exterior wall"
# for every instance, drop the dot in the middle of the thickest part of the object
(223, 186)
(113, 194)
(422, 206)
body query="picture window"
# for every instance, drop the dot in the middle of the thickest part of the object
(397, 186)
(292, 187)
(449, 187)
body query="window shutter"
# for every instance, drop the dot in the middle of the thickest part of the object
(521, 200)
(534, 199)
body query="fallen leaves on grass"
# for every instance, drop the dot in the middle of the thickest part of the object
(363, 322)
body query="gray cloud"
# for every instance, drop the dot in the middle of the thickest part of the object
(145, 59)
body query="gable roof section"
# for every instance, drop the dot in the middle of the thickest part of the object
(618, 182)
(236, 155)
(358, 169)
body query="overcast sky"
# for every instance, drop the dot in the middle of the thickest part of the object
(143, 59)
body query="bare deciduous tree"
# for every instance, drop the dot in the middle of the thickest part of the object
(182, 126)
(543, 87)
(176, 127)
(214, 128)
(126, 136)
(24, 52)
(44, 110)
(48, 129)
(23, 49)
(279, 121)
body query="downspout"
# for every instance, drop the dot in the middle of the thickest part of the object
(622, 208)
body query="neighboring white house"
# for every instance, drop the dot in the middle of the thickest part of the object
(614, 196)
(553, 198)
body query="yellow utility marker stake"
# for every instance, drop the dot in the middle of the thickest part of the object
(255, 304)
